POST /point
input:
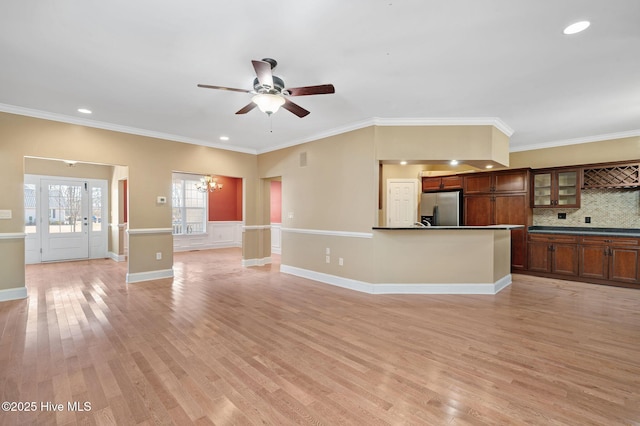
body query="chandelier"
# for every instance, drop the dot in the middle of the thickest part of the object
(208, 183)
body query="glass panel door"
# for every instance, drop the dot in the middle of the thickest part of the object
(542, 194)
(65, 219)
(567, 188)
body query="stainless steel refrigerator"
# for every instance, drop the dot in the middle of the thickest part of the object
(441, 208)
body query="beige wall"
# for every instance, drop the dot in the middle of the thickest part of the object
(336, 190)
(586, 153)
(332, 201)
(478, 145)
(46, 167)
(12, 263)
(150, 163)
(117, 195)
(435, 256)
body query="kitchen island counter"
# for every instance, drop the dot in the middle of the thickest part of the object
(443, 259)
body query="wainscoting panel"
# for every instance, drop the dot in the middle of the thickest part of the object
(276, 230)
(219, 235)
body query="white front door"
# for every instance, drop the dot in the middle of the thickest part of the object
(402, 202)
(65, 219)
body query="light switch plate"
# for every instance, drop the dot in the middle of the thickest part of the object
(5, 214)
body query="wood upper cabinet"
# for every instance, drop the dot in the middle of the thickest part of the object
(553, 254)
(480, 183)
(556, 188)
(497, 182)
(441, 183)
(611, 175)
(610, 258)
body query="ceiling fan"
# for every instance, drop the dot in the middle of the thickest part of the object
(270, 92)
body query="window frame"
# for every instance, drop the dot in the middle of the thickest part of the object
(185, 200)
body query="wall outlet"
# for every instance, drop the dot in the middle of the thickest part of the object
(327, 259)
(341, 261)
(587, 219)
(562, 215)
(159, 255)
(161, 200)
(327, 251)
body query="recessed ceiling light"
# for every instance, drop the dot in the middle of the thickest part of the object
(224, 138)
(403, 163)
(84, 110)
(576, 27)
(454, 162)
(489, 166)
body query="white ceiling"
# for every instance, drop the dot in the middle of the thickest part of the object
(136, 65)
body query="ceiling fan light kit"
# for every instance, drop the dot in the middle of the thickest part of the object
(271, 93)
(268, 103)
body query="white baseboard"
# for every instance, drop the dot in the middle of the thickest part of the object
(256, 262)
(137, 277)
(399, 288)
(13, 294)
(117, 257)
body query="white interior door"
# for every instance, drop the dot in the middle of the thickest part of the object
(402, 202)
(64, 216)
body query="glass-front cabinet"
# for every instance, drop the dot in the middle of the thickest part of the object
(556, 188)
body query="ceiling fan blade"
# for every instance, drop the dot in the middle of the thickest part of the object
(295, 108)
(322, 89)
(206, 86)
(263, 71)
(246, 108)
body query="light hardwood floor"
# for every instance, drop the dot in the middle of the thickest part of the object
(221, 344)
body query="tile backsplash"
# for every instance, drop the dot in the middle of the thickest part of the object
(608, 208)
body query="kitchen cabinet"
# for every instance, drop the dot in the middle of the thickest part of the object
(555, 188)
(600, 259)
(610, 258)
(500, 198)
(497, 182)
(553, 254)
(502, 209)
(441, 183)
(611, 175)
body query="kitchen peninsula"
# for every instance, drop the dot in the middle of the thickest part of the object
(443, 259)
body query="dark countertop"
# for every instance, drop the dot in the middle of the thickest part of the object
(571, 230)
(436, 228)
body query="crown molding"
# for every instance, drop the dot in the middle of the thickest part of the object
(12, 109)
(375, 121)
(576, 141)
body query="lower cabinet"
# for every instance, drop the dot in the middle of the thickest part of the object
(607, 258)
(553, 254)
(603, 260)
